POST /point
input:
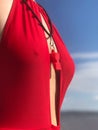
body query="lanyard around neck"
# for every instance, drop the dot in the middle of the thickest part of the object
(54, 57)
(40, 23)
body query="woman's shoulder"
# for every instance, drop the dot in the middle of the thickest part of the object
(5, 6)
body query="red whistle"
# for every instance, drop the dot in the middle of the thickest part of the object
(55, 59)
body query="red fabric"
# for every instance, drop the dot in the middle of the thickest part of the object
(25, 71)
(53, 127)
(55, 60)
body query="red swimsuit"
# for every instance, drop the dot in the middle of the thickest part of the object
(25, 71)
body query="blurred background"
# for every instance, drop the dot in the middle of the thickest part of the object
(77, 22)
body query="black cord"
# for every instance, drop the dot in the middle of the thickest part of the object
(51, 31)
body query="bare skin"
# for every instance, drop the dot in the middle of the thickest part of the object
(4, 11)
(52, 82)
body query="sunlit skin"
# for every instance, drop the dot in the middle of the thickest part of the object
(5, 7)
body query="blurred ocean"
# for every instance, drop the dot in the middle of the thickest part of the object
(79, 120)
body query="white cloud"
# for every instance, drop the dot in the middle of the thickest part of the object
(82, 93)
(93, 55)
(86, 77)
(96, 97)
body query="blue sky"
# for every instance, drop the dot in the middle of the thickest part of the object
(77, 22)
